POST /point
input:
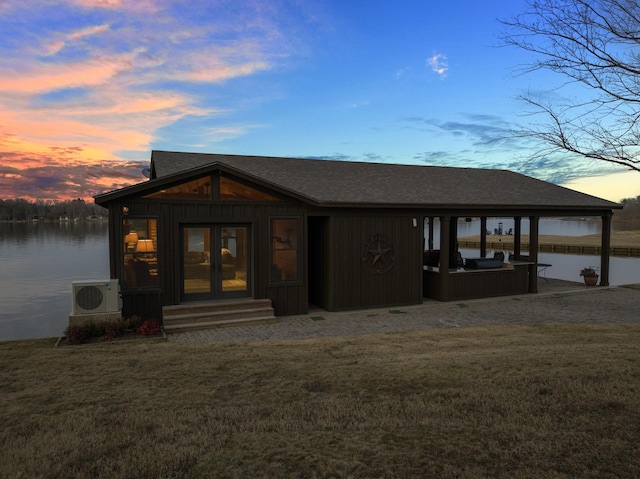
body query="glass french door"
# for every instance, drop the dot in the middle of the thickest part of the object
(214, 262)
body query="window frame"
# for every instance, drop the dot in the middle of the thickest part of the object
(215, 190)
(275, 239)
(158, 195)
(134, 256)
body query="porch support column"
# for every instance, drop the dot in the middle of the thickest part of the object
(483, 237)
(517, 236)
(605, 249)
(443, 286)
(430, 240)
(533, 254)
(453, 243)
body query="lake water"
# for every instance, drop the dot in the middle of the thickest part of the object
(38, 262)
(564, 266)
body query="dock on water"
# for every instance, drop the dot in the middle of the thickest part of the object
(623, 243)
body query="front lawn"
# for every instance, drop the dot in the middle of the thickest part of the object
(502, 401)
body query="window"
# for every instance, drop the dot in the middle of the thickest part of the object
(233, 190)
(140, 246)
(199, 189)
(203, 189)
(284, 250)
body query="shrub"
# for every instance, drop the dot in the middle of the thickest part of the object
(76, 334)
(111, 330)
(149, 328)
(93, 330)
(114, 329)
(133, 323)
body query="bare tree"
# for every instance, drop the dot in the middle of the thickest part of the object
(594, 46)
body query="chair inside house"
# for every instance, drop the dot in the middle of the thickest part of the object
(137, 274)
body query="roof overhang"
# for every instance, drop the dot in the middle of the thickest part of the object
(280, 176)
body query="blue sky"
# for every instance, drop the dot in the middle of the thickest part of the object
(89, 87)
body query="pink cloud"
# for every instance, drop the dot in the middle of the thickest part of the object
(85, 32)
(57, 46)
(128, 5)
(99, 3)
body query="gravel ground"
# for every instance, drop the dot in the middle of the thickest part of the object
(556, 302)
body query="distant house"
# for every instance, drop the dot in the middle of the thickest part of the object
(208, 228)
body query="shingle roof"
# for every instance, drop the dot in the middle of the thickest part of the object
(326, 182)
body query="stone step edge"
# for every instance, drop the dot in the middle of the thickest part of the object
(218, 305)
(181, 328)
(212, 314)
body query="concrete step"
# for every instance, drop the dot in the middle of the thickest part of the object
(213, 314)
(214, 306)
(182, 328)
(205, 316)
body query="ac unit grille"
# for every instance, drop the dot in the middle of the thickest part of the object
(95, 297)
(89, 297)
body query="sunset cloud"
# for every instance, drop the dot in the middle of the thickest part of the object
(56, 46)
(220, 73)
(128, 5)
(76, 95)
(46, 77)
(62, 174)
(99, 3)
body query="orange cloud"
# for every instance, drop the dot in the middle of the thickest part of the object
(51, 77)
(77, 94)
(224, 72)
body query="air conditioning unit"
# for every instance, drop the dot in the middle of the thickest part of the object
(95, 297)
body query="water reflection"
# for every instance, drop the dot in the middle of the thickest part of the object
(622, 270)
(39, 262)
(545, 227)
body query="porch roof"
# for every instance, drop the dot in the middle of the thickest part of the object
(341, 183)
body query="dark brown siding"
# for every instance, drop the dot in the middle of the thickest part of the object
(478, 284)
(353, 282)
(146, 304)
(319, 266)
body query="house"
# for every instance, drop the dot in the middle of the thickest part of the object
(339, 235)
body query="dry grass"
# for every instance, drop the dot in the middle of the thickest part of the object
(505, 401)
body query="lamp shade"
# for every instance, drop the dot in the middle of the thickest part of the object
(131, 238)
(144, 246)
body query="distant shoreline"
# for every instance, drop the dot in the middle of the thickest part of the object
(623, 243)
(80, 220)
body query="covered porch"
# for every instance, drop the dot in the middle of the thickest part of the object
(447, 276)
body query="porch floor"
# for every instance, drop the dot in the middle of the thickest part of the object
(557, 301)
